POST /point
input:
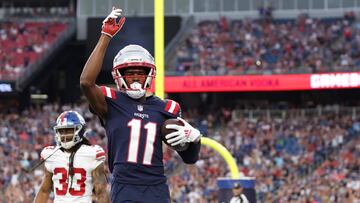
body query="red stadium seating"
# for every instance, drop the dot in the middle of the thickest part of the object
(23, 43)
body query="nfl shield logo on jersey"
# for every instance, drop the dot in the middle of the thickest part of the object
(140, 107)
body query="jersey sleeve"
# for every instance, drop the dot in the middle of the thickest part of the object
(45, 154)
(108, 92)
(110, 96)
(99, 156)
(172, 108)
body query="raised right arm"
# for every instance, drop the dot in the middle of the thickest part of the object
(89, 74)
(93, 65)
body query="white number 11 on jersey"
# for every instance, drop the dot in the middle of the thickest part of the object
(135, 131)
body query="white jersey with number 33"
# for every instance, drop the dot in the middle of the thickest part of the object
(86, 159)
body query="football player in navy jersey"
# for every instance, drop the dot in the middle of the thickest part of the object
(132, 118)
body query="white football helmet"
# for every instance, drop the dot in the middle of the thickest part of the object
(128, 57)
(69, 120)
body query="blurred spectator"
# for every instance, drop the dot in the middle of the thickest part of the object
(294, 159)
(22, 43)
(303, 45)
(278, 153)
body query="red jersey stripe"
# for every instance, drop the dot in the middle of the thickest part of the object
(177, 108)
(100, 154)
(167, 107)
(103, 90)
(172, 107)
(108, 92)
(113, 95)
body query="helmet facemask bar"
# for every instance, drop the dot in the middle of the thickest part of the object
(133, 56)
(75, 139)
(135, 91)
(149, 78)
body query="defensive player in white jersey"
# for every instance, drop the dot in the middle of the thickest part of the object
(73, 168)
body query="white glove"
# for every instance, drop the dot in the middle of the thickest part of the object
(183, 134)
(115, 13)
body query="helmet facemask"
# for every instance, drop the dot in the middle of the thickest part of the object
(135, 89)
(133, 57)
(62, 138)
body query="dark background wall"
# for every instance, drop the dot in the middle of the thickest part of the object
(136, 30)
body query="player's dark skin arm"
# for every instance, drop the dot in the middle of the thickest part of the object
(191, 154)
(100, 182)
(46, 186)
(89, 74)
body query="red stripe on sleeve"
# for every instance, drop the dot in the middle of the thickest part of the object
(103, 90)
(177, 108)
(113, 95)
(100, 154)
(168, 105)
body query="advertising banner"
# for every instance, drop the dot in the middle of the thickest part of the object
(245, 83)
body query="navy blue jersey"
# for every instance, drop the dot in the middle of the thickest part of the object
(134, 138)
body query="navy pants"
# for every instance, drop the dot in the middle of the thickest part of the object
(126, 193)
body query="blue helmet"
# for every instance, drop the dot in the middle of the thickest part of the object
(69, 120)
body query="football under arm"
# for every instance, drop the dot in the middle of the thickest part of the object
(100, 183)
(89, 74)
(42, 195)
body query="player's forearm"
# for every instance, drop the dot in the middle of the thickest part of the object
(103, 197)
(191, 154)
(93, 65)
(100, 182)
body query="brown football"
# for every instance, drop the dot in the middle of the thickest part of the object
(165, 131)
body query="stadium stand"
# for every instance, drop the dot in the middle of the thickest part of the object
(22, 43)
(282, 153)
(278, 46)
(295, 154)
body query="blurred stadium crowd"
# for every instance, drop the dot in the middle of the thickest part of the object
(297, 158)
(303, 45)
(294, 159)
(22, 43)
